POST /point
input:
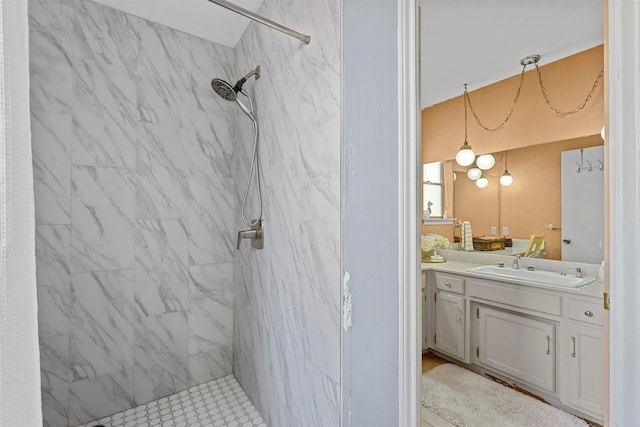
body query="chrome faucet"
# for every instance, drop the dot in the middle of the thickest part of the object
(515, 264)
(578, 271)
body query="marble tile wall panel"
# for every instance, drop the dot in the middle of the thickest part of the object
(286, 298)
(102, 232)
(52, 276)
(55, 378)
(101, 327)
(160, 356)
(99, 396)
(105, 35)
(134, 181)
(51, 136)
(162, 173)
(104, 109)
(50, 68)
(161, 267)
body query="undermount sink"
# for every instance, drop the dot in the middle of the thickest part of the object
(543, 277)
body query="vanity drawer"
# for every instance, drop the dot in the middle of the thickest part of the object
(586, 311)
(536, 301)
(450, 283)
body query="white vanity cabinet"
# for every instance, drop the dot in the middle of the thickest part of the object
(519, 346)
(585, 356)
(549, 341)
(449, 332)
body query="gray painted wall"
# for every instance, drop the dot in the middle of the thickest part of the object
(135, 208)
(370, 212)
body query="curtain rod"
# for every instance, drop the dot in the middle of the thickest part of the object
(269, 23)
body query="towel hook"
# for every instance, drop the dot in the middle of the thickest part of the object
(590, 166)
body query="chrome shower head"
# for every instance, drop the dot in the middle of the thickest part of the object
(223, 89)
(228, 92)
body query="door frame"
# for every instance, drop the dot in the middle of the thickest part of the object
(622, 109)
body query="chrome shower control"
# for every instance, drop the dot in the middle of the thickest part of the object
(256, 234)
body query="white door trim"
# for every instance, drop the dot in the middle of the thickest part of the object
(624, 209)
(408, 231)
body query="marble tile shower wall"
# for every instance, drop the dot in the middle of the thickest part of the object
(287, 297)
(135, 203)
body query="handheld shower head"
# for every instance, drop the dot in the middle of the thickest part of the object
(228, 92)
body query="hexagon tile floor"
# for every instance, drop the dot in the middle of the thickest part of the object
(217, 403)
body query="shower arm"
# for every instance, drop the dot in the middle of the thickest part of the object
(306, 39)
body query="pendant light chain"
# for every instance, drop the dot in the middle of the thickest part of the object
(465, 114)
(556, 111)
(561, 113)
(513, 106)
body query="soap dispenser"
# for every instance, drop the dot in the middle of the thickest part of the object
(601, 271)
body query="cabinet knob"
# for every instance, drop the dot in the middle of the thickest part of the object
(588, 313)
(447, 284)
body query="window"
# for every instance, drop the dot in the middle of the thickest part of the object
(432, 188)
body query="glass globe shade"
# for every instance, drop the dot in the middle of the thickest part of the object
(474, 173)
(506, 179)
(482, 182)
(485, 161)
(465, 156)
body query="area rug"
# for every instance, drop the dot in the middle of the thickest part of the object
(466, 399)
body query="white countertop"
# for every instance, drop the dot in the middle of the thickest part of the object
(594, 289)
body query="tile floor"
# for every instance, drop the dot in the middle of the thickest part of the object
(217, 403)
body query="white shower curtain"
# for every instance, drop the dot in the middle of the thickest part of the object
(19, 356)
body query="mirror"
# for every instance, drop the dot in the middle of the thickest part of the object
(532, 144)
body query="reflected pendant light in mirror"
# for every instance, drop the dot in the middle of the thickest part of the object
(465, 156)
(486, 161)
(474, 173)
(506, 179)
(482, 182)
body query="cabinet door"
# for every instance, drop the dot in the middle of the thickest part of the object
(449, 328)
(586, 366)
(519, 346)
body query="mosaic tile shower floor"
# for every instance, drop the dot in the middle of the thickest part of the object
(217, 403)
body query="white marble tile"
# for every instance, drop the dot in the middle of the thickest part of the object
(161, 267)
(101, 328)
(50, 15)
(165, 53)
(105, 35)
(102, 236)
(212, 279)
(210, 143)
(55, 377)
(213, 364)
(210, 321)
(104, 115)
(162, 102)
(212, 215)
(99, 396)
(160, 356)
(52, 275)
(162, 173)
(50, 70)
(51, 146)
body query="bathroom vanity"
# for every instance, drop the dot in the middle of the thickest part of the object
(546, 338)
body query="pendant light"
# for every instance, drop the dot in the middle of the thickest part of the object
(482, 182)
(486, 161)
(474, 173)
(506, 179)
(465, 156)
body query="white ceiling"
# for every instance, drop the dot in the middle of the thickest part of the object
(480, 42)
(198, 17)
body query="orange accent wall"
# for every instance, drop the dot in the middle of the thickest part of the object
(526, 206)
(567, 82)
